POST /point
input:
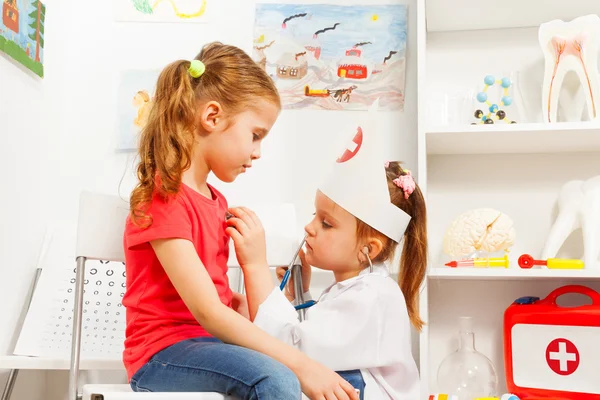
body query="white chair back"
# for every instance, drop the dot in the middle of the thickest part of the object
(100, 227)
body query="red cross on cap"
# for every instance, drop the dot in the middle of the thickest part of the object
(353, 147)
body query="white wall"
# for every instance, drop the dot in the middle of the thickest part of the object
(69, 144)
(31, 132)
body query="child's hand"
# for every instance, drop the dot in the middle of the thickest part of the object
(319, 382)
(240, 304)
(248, 236)
(306, 277)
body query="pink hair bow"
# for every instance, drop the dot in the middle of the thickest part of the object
(406, 183)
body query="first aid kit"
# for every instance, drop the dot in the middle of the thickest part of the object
(551, 351)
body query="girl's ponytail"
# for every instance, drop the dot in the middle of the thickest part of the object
(413, 262)
(165, 147)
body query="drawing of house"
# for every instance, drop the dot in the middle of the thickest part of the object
(259, 53)
(313, 47)
(10, 15)
(263, 63)
(291, 67)
(378, 68)
(352, 66)
(261, 57)
(315, 51)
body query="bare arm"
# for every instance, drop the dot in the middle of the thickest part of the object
(239, 303)
(258, 284)
(191, 280)
(257, 278)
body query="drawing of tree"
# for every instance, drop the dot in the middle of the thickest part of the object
(143, 6)
(38, 15)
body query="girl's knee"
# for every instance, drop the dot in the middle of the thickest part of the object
(282, 382)
(289, 381)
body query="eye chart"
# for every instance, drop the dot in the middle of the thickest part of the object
(48, 326)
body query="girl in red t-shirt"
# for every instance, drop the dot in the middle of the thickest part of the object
(186, 330)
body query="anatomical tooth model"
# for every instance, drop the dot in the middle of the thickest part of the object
(570, 46)
(579, 206)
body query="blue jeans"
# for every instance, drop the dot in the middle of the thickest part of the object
(209, 365)
(355, 378)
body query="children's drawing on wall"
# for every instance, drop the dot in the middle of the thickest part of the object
(22, 33)
(333, 57)
(135, 96)
(161, 10)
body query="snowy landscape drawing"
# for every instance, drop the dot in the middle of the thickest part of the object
(333, 57)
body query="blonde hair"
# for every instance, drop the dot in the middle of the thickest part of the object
(413, 262)
(231, 78)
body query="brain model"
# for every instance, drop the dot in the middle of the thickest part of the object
(483, 229)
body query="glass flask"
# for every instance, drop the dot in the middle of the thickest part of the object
(467, 373)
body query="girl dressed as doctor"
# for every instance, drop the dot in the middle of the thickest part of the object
(360, 325)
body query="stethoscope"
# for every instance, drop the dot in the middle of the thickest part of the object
(288, 273)
(292, 263)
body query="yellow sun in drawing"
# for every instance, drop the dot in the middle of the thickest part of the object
(374, 17)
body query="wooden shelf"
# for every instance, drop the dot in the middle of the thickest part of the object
(459, 15)
(561, 137)
(23, 362)
(512, 274)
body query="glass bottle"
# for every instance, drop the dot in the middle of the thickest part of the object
(467, 373)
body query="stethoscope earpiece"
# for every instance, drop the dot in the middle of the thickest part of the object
(365, 251)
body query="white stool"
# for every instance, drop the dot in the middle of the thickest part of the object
(124, 392)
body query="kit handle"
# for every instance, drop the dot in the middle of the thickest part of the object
(580, 289)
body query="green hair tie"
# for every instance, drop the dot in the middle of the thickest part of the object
(196, 68)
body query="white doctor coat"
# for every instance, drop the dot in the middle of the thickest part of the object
(360, 323)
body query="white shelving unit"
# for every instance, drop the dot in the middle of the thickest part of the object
(566, 137)
(511, 274)
(515, 168)
(466, 15)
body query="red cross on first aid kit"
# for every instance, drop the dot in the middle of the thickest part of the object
(552, 351)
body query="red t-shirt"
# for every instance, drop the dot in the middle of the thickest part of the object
(156, 315)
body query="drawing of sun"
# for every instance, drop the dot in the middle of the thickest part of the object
(374, 17)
